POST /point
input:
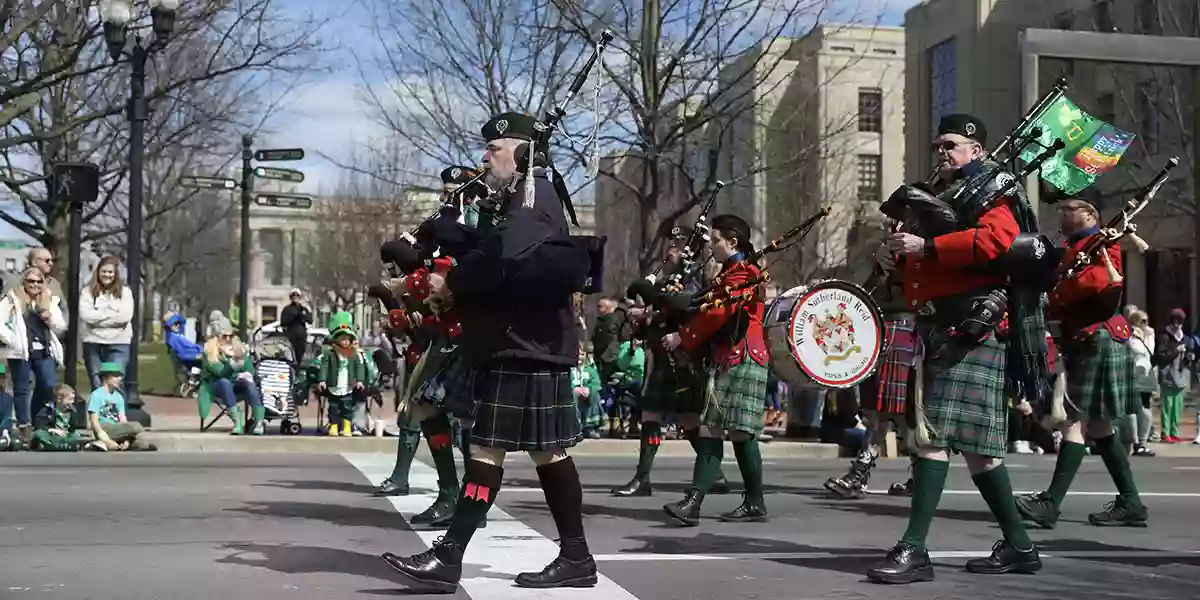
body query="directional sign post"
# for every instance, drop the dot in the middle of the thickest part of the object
(283, 201)
(279, 154)
(208, 183)
(291, 175)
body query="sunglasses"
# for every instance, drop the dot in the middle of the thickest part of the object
(37, 281)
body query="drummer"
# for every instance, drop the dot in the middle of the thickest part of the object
(732, 335)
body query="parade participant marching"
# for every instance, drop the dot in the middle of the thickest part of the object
(1099, 368)
(514, 297)
(962, 405)
(731, 337)
(669, 388)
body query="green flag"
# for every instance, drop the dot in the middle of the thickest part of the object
(1092, 146)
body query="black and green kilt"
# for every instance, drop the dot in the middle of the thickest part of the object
(672, 390)
(519, 404)
(427, 384)
(964, 402)
(1100, 378)
(738, 400)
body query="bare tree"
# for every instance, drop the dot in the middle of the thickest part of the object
(69, 100)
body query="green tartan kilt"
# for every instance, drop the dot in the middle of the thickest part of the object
(1100, 378)
(672, 391)
(739, 399)
(964, 401)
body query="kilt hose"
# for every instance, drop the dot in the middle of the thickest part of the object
(1100, 378)
(737, 401)
(964, 407)
(517, 405)
(886, 391)
(671, 389)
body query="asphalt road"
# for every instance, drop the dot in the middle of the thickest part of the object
(265, 527)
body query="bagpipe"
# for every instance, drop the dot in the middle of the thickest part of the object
(687, 269)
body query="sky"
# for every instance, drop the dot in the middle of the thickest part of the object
(324, 116)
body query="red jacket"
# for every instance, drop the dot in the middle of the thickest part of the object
(1088, 300)
(944, 271)
(700, 329)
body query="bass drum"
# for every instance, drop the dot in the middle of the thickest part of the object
(829, 332)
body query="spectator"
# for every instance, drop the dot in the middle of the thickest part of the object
(345, 376)
(6, 409)
(229, 371)
(41, 259)
(106, 413)
(106, 310)
(30, 321)
(586, 382)
(1142, 345)
(188, 353)
(294, 324)
(55, 429)
(1174, 361)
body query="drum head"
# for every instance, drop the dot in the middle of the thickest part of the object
(835, 333)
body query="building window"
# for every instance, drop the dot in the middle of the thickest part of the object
(1106, 108)
(270, 242)
(270, 314)
(1064, 20)
(1148, 20)
(1148, 109)
(869, 190)
(870, 110)
(10, 264)
(943, 85)
(1102, 16)
(887, 51)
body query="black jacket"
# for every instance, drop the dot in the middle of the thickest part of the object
(513, 291)
(294, 321)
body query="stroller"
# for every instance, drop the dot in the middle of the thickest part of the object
(283, 387)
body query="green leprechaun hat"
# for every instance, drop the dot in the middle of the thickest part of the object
(342, 323)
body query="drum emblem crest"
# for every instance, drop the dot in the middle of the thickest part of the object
(834, 334)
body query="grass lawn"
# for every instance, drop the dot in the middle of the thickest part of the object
(156, 375)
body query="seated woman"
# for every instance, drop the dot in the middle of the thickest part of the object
(187, 352)
(229, 371)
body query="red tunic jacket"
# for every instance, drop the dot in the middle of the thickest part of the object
(943, 271)
(1084, 302)
(700, 329)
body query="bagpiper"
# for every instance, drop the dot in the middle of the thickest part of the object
(519, 331)
(1099, 370)
(963, 403)
(730, 339)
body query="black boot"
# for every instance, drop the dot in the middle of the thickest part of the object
(1006, 558)
(390, 488)
(901, 489)
(1040, 508)
(905, 563)
(686, 511)
(639, 486)
(437, 569)
(651, 439)
(853, 485)
(752, 510)
(1120, 513)
(440, 436)
(397, 483)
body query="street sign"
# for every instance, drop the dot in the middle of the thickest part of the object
(76, 183)
(209, 183)
(280, 174)
(282, 154)
(283, 201)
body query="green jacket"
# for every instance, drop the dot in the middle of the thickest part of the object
(632, 361)
(226, 368)
(362, 368)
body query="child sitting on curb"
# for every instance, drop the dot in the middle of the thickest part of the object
(54, 428)
(106, 413)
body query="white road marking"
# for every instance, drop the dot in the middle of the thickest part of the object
(1018, 493)
(498, 552)
(933, 554)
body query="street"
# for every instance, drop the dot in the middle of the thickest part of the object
(257, 526)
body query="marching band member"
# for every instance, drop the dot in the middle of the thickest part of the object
(1100, 375)
(514, 296)
(965, 368)
(732, 337)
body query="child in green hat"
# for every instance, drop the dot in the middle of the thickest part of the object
(344, 375)
(106, 413)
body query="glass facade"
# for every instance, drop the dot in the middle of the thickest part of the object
(943, 89)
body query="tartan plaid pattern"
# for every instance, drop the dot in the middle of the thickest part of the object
(1100, 378)
(886, 390)
(965, 407)
(428, 383)
(736, 403)
(663, 384)
(524, 405)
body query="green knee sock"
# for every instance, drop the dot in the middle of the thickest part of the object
(648, 449)
(750, 464)
(1117, 463)
(694, 439)
(440, 436)
(1070, 456)
(929, 479)
(709, 453)
(996, 489)
(406, 449)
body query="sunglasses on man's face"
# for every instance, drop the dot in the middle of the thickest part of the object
(947, 146)
(35, 281)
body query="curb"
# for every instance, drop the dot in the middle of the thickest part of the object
(179, 442)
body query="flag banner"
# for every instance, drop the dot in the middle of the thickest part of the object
(1093, 147)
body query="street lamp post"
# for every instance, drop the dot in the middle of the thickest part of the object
(116, 15)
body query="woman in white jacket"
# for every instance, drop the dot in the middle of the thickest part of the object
(1142, 346)
(30, 322)
(106, 309)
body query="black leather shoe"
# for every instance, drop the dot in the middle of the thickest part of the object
(750, 511)
(437, 569)
(905, 563)
(561, 572)
(390, 488)
(1120, 513)
(637, 487)
(1006, 558)
(1039, 508)
(440, 511)
(686, 511)
(901, 489)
